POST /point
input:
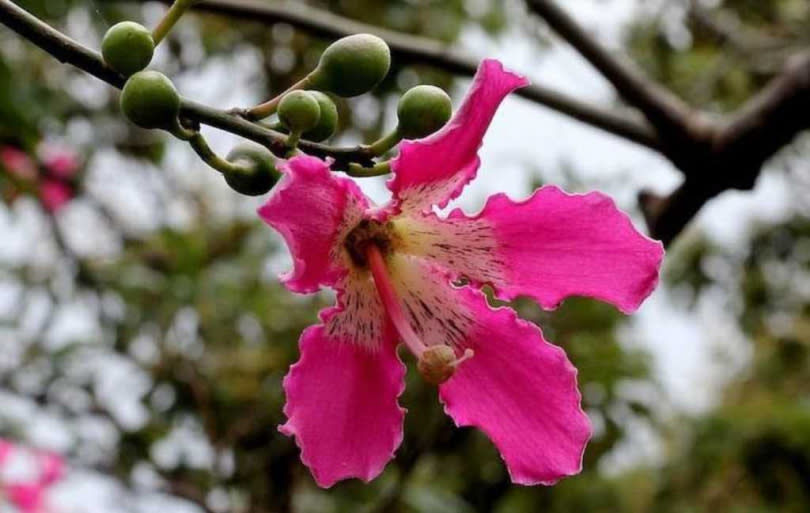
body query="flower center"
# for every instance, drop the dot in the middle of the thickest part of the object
(369, 232)
(436, 363)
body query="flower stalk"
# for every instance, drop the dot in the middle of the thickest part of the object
(293, 139)
(204, 151)
(268, 108)
(385, 143)
(171, 18)
(378, 169)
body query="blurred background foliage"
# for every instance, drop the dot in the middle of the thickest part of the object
(180, 389)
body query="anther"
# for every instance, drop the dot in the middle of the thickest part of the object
(438, 363)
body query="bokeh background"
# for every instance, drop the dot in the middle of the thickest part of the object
(144, 334)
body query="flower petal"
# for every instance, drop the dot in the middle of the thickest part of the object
(6, 448)
(342, 406)
(18, 163)
(60, 162)
(522, 392)
(52, 468)
(54, 194)
(551, 246)
(434, 170)
(519, 389)
(429, 301)
(360, 317)
(28, 498)
(313, 209)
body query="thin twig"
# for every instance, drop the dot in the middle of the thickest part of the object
(663, 109)
(737, 150)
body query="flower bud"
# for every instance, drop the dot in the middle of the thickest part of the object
(299, 111)
(327, 123)
(127, 47)
(150, 100)
(352, 65)
(423, 110)
(257, 172)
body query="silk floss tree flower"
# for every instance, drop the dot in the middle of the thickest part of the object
(52, 177)
(28, 492)
(396, 268)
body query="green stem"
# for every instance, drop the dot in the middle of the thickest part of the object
(181, 132)
(172, 16)
(385, 143)
(278, 126)
(269, 107)
(200, 146)
(293, 139)
(378, 169)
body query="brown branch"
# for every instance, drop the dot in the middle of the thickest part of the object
(413, 49)
(738, 149)
(663, 110)
(771, 119)
(714, 156)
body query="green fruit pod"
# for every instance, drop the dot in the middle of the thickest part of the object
(328, 121)
(352, 66)
(299, 111)
(256, 173)
(127, 47)
(150, 100)
(422, 111)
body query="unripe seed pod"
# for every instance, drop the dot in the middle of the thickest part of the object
(352, 65)
(327, 123)
(150, 100)
(423, 110)
(128, 47)
(259, 173)
(299, 111)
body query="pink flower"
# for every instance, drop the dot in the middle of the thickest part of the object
(6, 448)
(395, 269)
(53, 186)
(54, 194)
(18, 163)
(60, 162)
(29, 495)
(52, 468)
(28, 498)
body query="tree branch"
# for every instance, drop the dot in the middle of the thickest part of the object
(69, 51)
(414, 49)
(714, 156)
(662, 109)
(770, 120)
(738, 151)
